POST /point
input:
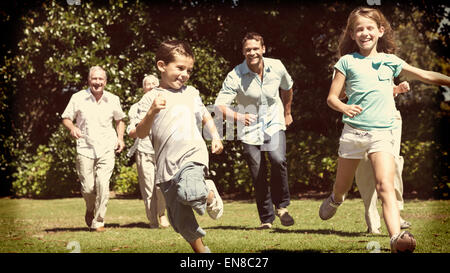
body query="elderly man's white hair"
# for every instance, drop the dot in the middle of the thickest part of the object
(152, 79)
(95, 68)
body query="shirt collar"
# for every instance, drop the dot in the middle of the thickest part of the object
(90, 95)
(246, 70)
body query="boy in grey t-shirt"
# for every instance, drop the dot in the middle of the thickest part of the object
(172, 112)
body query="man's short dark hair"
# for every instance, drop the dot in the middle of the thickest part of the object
(253, 36)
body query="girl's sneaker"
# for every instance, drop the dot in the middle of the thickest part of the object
(403, 243)
(328, 208)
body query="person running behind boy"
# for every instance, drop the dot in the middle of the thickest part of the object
(155, 206)
(94, 109)
(264, 88)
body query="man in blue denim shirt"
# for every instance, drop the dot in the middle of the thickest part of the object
(262, 117)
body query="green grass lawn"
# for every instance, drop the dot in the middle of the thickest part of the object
(57, 226)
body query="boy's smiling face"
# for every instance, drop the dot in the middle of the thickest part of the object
(175, 74)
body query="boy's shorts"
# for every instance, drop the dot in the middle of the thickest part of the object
(354, 143)
(186, 192)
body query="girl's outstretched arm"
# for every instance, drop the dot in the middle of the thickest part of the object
(426, 76)
(333, 97)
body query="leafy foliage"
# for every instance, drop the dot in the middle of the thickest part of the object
(31, 177)
(126, 181)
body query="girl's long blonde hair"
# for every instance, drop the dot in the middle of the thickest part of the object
(385, 44)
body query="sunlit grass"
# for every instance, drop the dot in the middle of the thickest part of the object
(48, 226)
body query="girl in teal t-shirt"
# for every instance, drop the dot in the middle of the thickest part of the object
(366, 69)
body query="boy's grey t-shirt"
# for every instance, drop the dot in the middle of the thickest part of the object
(176, 137)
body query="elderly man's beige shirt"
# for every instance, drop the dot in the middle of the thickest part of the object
(94, 119)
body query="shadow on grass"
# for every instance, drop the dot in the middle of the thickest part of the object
(136, 225)
(320, 231)
(230, 228)
(71, 229)
(298, 231)
(111, 225)
(277, 251)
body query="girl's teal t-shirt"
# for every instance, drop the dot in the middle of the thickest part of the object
(369, 84)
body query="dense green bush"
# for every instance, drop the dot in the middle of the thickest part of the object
(126, 181)
(424, 161)
(62, 178)
(312, 160)
(31, 177)
(51, 171)
(229, 170)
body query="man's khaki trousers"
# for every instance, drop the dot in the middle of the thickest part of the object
(94, 175)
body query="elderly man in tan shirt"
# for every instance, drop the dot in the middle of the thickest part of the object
(94, 110)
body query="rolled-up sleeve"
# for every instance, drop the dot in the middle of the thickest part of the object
(117, 112)
(286, 82)
(228, 92)
(69, 112)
